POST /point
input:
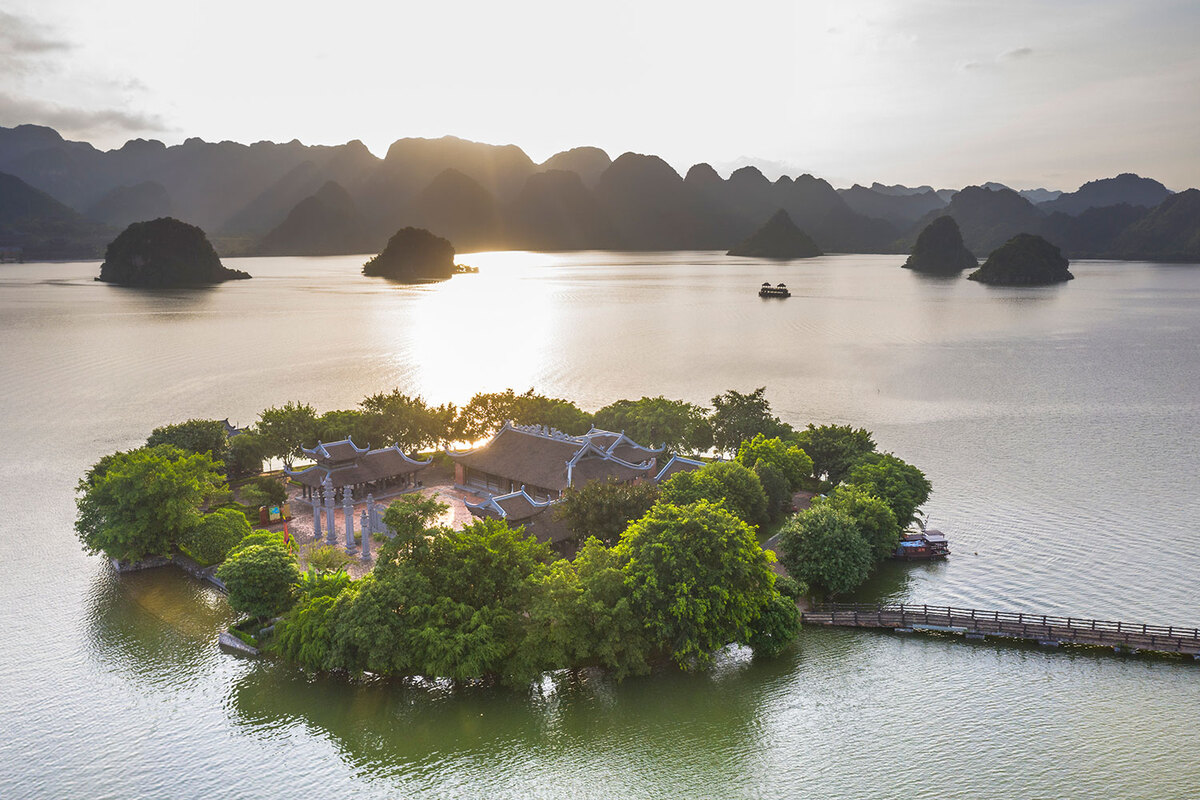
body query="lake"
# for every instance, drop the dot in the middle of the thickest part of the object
(1058, 426)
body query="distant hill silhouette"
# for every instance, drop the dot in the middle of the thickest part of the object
(163, 253)
(495, 196)
(778, 237)
(326, 223)
(1171, 232)
(588, 163)
(940, 250)
(125, 204)
(1126, 188)
(1024, 260)
(43, 227)
(901, 210)
(987, 218)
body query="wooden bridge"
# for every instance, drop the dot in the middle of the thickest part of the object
(1042, 628)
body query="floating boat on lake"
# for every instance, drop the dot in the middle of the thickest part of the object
(767, 290)
(922, 545)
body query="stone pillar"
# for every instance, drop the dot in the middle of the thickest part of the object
(365, 552)
(330, 525)
(316, 509)
(348, 515)
(372, 523)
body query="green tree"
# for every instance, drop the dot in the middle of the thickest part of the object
(654, 421)
(604, 509)
(194, 436)
(245, 455)
(834, 449)
(410, 422)
(135, 504)
(210, 540)
(823, 548)
(305, 633)
(284, 431)
(697, 578)
(737, 417)
(455, 608)
(264, 491)
(261, 579)
(334, 426)
(256, 538)
(327, 558)
(726, 482)
(787, 458)
(872, 516)
(410, 517)
(775, 486)
(899, 484)
(487, 412)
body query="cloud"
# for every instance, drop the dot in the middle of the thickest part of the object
(84, 122)
(997, 62)
(1020, 52)
(20, 35)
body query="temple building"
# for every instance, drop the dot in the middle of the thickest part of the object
(364, 470)
(543, 462)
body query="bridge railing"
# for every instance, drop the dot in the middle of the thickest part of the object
(951, 612)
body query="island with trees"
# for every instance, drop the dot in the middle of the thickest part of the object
(164, 253)
(940, 250)
(655, 574)
(1024, 260)
(413, 255)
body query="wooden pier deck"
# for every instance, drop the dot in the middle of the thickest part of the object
(1042, 628)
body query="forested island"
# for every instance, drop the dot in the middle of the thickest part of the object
(164, 253)
(654, 573)
(1024, 260)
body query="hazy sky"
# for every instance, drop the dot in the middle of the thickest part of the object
(946, 92)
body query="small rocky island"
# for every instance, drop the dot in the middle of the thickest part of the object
(1024, 260)
(413, 255)
(164, 253)
(777, 238)
(940, 250)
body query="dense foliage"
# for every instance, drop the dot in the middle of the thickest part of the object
(194, 436)
(411, 255)
(824, 548)
(656, 421)
(899, 484)
(834, 449)
(140, 503)
(161, 253)
(486, 412)
(873, 518)
(604, 509)
(789, 460)
(411, 423)
(286, 430)
(261, 579)
(216, 534)
(737, 417)
(725, 482)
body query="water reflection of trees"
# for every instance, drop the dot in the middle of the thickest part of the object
(581, 733)
(157, 627)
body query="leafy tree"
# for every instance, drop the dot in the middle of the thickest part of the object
(323, 583)
(245, 456)
(775, 486)
(140, 503)
(487, 412)
(194, 436)
(261, 579)
(737, 417)
(834, 449)
(283, 432)
(327, 558)
(654, 421)
(334, 426)
(604, 509)
(210, 541)
(256, 538)
(410, 422)
(899, 484)
(455, 608)
(872, 516)
(724, 482)
(305, 633)
(824, 548)
(697, 578)
(776, 625)
(410, 517)
(264, 491)
(787, 458)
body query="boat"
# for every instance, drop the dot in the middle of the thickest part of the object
(767, 290)
(923, 545)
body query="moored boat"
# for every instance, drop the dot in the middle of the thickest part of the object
(922, 545)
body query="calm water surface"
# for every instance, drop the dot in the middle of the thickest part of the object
(1058, 426)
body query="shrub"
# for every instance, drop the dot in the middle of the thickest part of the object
(327, 558)
(219, 532)
(256, 538)
(261, 580)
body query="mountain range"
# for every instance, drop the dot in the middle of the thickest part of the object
(62, 199)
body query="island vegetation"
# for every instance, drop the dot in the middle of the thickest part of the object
(665, 573)
(1024, 260)
(413, 255)
(164, 253)
(940, 250)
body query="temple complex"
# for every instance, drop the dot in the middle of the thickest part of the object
(345, 464)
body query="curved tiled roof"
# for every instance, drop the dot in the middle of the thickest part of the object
(369, 465)
(345, 450)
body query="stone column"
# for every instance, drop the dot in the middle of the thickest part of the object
(372, 523)
(365, 552)
(330, 525)
(316, 509)
(348, 515)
